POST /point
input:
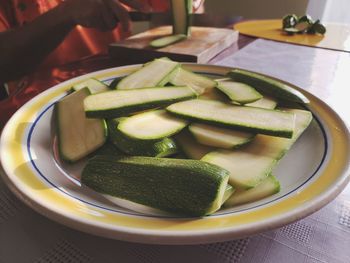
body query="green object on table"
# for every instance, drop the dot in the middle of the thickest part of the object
(291, 24)
(289, 21)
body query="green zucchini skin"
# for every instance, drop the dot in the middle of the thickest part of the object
(108, 149)
(185, 187)
(238, 92)
(229, 191)
(124, 110)
(153, 148)
(113, 85)
(268, 85)
(180, 16)
(167, 40)
(252, 163)
(267, 187)
(215, 113)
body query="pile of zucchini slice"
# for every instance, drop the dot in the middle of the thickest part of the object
(178, 141)
(292, 24)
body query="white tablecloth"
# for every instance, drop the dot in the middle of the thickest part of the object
(26, 236)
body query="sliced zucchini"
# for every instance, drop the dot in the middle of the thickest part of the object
(250, 119)
(151, 125)
(291, 30)
(249, 165)
(289, 21)
(247, 168)
(77, 135)
(306, 18)
(268, 85)
(239, 92)
(94, 86)
(153, 148)
(267, 187)
(214, 94)
(302, 27)
(109, 149)
(219, 137)
(114, 83)
(183, 77)
(185, 187)
(317, 27)
(228, 193)
(265, 102)
(168, 40)
(182, 11)
(117, 103)
(190, 147)
(153, 74)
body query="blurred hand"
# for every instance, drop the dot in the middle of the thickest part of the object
(198, 5)
(102, 14)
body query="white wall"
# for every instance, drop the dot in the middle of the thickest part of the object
(251, 9)
(330, 10)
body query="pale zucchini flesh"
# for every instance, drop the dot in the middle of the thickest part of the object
(238, 92)
(153, 74)
(190, 147)
(247, 169)
(268, 85)
(77, 135)
(265, 102)
(267, 187)
(94, 86)
(187, 187)
(198, 82)
(152, 148)
(167, 40)
(214, 94)
(151, 125)
(117, 103)
(250, 119)
(219, 137)
(252, 163)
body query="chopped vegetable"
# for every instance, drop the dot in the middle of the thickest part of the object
(168, 40)
(268, 85)
(118, 103)
(250, 119)
(187, 187)
(148, 120)
(291, 24)
(77, 135)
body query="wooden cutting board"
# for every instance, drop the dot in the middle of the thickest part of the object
(204, 44)
(336, 37)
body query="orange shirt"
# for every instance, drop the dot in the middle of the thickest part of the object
(80, 42)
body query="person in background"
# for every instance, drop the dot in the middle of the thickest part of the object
(42, 35)
(55, 32)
